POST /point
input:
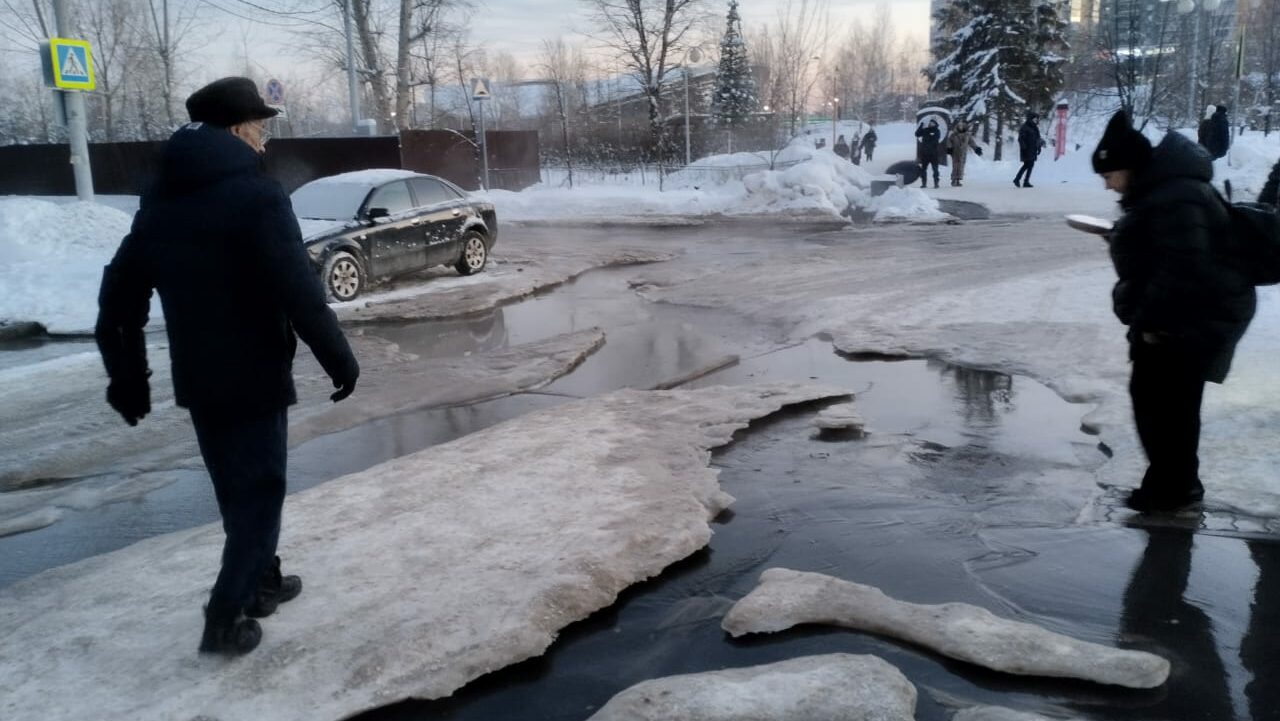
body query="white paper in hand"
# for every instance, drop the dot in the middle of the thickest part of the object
(1090, 224)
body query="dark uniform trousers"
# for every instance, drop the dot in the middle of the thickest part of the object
(246, 459)
(1167, 386)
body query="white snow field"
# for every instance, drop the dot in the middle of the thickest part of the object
(421, 574)
(811, 688)
(787, 598)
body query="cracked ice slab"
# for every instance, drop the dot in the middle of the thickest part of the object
(421, 574)
(997, 713)
(812, 688)
(787, 598)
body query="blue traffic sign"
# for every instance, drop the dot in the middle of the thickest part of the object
(68, 64)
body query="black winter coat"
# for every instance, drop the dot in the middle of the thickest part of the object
(929, 138)
(1218, 135)
(1169, 253)
(1029, 142)
(218, 240)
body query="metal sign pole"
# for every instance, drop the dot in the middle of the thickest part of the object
(77, 119)
(352, 96)
(484, 146)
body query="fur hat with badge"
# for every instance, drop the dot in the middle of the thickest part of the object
(227, 102)
(1121, 147)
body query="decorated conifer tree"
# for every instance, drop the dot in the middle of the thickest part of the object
(735, 94)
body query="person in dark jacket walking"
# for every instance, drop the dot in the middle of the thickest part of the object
(217, 239)
(1029, 145)
(1185, 302)
(928, 141)
(869, 143)
(1215, 131)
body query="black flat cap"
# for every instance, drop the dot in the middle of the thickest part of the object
(228, 102)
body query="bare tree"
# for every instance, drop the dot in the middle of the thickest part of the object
(170, 27)
(799, 38)
(557, 65)
(112, 29)
(648, 35)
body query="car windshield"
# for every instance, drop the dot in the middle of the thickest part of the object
(328, 201)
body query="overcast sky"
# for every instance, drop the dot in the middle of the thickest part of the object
(520, 26)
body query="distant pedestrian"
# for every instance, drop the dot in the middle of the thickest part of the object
(1185, 303)
(869, 143)
(841, 148)
(1215, 131)
(218, 240)
(855, 149)
(1029, 145)
(928, 140)
(958, 144)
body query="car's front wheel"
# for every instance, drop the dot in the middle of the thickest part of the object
(474, 254)
(343, 276)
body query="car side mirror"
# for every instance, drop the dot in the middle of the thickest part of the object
(376, 214)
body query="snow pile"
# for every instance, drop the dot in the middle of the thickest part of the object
(51, 259)
(798, 181)
(834, 686)
(410, 592)
(788, 598)
(1251, 158)
(996, 713)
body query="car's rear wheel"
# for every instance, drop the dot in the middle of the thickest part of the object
(474, 254)
(343, 276)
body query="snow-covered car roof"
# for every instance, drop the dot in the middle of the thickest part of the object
(368, 178)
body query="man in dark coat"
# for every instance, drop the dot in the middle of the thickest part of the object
(869, 143)
(928, 142)
(1029, 145)
(1186, 304)
(1215, 132)
(217, 239)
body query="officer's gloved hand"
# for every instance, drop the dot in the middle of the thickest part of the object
(345, 386)
(130, 397)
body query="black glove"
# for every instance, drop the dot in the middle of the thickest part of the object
(978, 151)
(130, 397)
(345, 386)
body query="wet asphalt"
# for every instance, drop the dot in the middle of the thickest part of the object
(931, 507)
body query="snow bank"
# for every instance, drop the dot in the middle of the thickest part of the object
(51, 259)
(798, 181)
(410, 592)
(997, 713)
(787, 598)
(834, 686)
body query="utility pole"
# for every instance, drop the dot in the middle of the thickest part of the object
(352, 95)
(77, 122)
(693, 56)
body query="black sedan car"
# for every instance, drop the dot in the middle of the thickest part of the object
(374, 224)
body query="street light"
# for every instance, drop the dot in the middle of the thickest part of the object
(1184, 7)
(835, 110)
(692, 55)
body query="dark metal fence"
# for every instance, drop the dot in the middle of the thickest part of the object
(127, 168)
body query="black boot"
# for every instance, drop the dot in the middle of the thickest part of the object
(273, 590)
(229, 634)
(935, 184)
(1146, 501)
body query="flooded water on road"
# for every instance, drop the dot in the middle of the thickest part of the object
(944, 500)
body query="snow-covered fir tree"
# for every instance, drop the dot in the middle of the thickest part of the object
(735, 94)
(1004, 57)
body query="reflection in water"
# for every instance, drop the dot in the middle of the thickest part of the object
(1260, 650)
(1157, 613)
(982, 396)
(1159, 617)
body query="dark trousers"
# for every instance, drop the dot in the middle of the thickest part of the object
(246, 461)
(870, 152)
(1026, 168)
(924, 171)
(1167, 386)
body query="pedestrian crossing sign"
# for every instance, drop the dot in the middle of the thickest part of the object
(68, 64)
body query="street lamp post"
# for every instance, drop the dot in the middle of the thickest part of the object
(693, 55)
(1184, 7)
(835, 110)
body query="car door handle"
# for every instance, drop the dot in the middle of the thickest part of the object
(456, 212)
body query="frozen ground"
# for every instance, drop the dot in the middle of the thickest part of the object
(411, 592)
